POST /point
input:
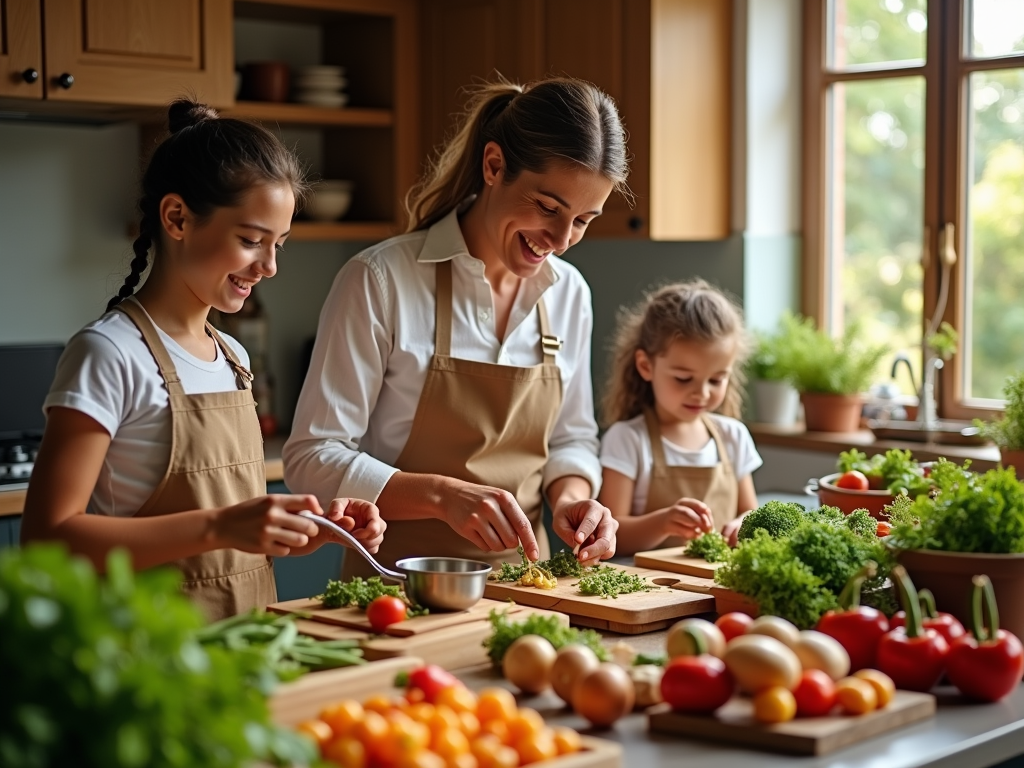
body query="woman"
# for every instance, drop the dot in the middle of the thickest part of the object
(151, 425)
(450, 380)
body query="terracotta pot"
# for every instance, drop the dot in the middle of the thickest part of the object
(1011, 458)
(266, 81)
(948, 576)
(847, 500)
(728, 601)
(831, 413)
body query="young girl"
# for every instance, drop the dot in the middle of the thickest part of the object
(676, 461)
(151, 425)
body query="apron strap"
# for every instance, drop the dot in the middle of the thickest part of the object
(242, 374)
(140, 317)
(654, 432)
(549, 343)
(716, 435)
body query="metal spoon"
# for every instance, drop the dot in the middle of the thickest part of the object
(386, 573)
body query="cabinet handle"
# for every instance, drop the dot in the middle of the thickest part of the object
(635, 223)
(30, 75)
(65, 80)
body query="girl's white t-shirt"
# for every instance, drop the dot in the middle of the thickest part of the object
(108, 373)
(626, 448)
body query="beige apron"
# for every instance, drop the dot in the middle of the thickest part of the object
(216, 461)
(480, 422)
(716, 486)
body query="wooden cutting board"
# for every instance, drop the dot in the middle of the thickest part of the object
(355, 618)
(734, 724)
(673, 559)
(631, 614)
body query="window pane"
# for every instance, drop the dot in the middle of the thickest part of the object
(875, 32)
(877, 214)
(994, 337)
(997, 28)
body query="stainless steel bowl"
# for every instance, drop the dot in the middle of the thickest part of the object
(444, 583)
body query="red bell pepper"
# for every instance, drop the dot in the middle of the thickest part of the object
(699, 683)
(946, 624)
(986, 664)
(858, 628)
(914, 657)
(430, 680)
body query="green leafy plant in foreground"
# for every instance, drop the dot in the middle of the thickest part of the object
(107, 671)
(505, 631)
(1008, 431)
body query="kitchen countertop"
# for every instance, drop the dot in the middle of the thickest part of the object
(13, 502)
(961, 735)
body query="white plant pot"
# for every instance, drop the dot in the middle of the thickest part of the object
(775, 402)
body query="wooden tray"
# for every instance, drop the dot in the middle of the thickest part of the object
(673, 560)
(627, 614)
(734, 724)
(303, 699)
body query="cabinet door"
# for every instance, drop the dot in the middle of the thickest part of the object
(139, 51)
(471, 40)
(21, 49)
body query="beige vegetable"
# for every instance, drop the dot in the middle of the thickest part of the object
(758, 662)
(604, 695)
(623, 654)
(774, 626)
(571, 663)
(527, 663)
(647, 684)
(816, 650)
(680, 643)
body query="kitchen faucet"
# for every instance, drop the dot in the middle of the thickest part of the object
(927, 417)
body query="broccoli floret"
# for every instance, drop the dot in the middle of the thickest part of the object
(830, 516)
(862, 523)
(777, 518)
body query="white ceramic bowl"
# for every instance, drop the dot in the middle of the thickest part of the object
(329, 200)
(320, 83)
(323, 70)
(318, 99)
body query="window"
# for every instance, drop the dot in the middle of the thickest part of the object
(914, 149)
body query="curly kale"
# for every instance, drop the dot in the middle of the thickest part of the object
(777, 518)
(711, 546)
(862, 523)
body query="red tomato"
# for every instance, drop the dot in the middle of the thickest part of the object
(733, 624)
(696, 683)
(853, 481)
(882, 529)
(385, 611)
(815, 694)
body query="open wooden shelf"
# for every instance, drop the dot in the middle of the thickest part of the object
(341, 230)
(302, 114)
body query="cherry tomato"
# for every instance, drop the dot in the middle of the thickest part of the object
(853, 481)
(884, 687)
(774, 705)
(815, 694)
(856, 695)
(733, 624)
(696, 683)
(385, 611)
(882, 529)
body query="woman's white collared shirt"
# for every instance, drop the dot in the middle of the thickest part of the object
(373, 349)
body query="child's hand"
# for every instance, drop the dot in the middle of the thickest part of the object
(731, 530)
(360, 518)
(687, 519)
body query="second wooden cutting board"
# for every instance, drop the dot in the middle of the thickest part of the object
(630, 614)
(673, 559)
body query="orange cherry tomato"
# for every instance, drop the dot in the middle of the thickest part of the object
(343, 716)
(464, 761)
(884, 687)
(444, 718)
(856, 696)
(380, 704)
(497, 728)
(450, 743)
(496, 704)
(536, 747)
(567, 740)
(526, 722)
(317, 730)
(422, 712)
(470, 724)
(506, 757)
(422, 758)
(372, 731)
(459, 698)
(346, 752)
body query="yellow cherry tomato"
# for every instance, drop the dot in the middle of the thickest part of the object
(342, 716)
(346, 752)
(380, 704)
(496, 704)
(535, 747)
(567, 740)
(317, 730)
(469, 723)
(444, 718)
(450, 743)
(774, 705)
(422, 712)
(485, 748)
(459, 698)
(464, 761)
(372, 731)
(856, 696)
(422, 758)
(526, 722)
(884, 687)
(497, 728)
(506, 757)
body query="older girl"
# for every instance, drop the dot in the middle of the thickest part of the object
(676, 460)
(151, 425)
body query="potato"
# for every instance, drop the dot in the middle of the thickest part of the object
(758, 662)
(527, 663)
(816, 650)
(571, 663)
(774, 626)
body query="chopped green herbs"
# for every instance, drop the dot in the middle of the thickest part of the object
(608, 581)
(505, 632)
(562, 563)
(711, 546)
(361, 592)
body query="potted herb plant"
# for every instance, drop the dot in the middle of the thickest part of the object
(1008, 432)
(776, 400)
(970, 524)
(831, 373)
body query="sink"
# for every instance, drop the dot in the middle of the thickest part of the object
(940, 431)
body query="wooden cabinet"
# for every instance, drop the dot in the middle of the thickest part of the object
(117, 52)
(667, 63)
(21, 49)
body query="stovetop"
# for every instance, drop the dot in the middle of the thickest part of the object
(17, 457)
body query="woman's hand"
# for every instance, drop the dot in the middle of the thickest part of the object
(489, 517)
(266, 525)
(687, 519)
(589, 525)
(360, 518)
(731, 530)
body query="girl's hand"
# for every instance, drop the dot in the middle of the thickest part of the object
(266, 525)
(687, 519)
(589, 525)
(731, 531)
(360, 518)
(489, 517)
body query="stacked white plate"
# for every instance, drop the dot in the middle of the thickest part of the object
(321, 86)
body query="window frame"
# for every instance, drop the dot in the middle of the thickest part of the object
(946, 73)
